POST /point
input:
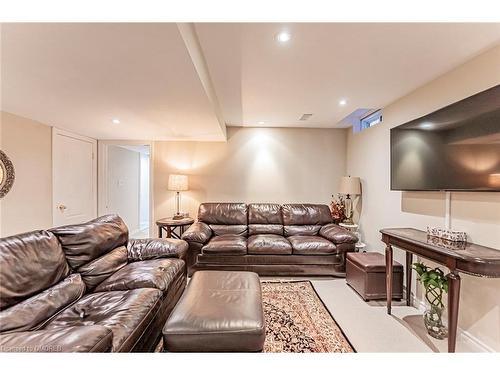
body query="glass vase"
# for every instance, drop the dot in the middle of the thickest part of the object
(433, 320)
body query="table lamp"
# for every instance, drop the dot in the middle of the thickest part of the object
(349, 186)
(178, 183)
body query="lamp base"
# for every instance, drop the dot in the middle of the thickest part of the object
(178, 217)
(348, 221)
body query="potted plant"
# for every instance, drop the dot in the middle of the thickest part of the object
(435, 284)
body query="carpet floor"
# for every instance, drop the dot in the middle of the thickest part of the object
(297, 321)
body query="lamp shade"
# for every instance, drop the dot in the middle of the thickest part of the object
(350, 185)
(177, 182)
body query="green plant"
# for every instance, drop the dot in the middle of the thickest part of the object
(434, 282)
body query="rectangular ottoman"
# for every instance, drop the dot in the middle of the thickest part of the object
(365, 273)
(220, 311)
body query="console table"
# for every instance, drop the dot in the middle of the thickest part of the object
(464, 257)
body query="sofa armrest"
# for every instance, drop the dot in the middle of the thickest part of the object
(73, 339)
(144, 249)
(337, 234)
(198, 232)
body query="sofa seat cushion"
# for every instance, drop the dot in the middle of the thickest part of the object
(226, 244)
(301, 230)
(66, 340)
(311, 245)
(268, 244)
(126, 313)
(155, 273)
(36, 310)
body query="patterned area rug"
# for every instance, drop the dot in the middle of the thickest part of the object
(298, 322)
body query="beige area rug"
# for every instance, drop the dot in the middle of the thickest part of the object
(297, 321)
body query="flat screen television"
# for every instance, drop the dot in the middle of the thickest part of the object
(456, 148)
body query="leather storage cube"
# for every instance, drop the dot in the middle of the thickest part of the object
(365, 273)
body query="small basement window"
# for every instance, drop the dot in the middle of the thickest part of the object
(372, 119)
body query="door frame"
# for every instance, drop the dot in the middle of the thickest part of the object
(57, 132)
(102, 173)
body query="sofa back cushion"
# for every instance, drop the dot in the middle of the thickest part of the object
(223, 213)
(306, 214)
(29, 263)
(98, 270)
(265, 218)
(34, 311)
(220, 230)
(305, 219)
(224, 218)
(85, 242)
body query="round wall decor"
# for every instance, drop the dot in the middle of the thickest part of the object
(7, 174)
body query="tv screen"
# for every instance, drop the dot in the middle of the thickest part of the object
(454, 148)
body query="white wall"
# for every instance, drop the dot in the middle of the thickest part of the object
(255, 165)
(123, 185)
(368, 156)
(28, 206)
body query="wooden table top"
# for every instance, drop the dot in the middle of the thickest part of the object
(171, 222)
(470, 257)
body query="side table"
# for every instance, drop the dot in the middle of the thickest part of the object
(172, 226)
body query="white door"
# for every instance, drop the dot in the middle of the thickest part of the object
(74, 168)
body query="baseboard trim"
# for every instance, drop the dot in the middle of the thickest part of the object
(462, 334)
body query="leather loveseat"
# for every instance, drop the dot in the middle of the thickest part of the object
(270, 239)
(87, 287)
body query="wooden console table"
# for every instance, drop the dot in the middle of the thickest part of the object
(468, 258)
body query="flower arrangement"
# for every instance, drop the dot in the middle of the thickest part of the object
(337, 208)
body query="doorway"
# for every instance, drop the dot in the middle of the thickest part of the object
(125, 184)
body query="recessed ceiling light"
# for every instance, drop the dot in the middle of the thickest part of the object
(261, 122)
(283, 37)
(115, 121)
(427, 125)
(342, 102)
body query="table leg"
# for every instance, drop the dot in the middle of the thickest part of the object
(159, 231)
(409, 261)
(169, 232)
(453, 301)
(388, 275)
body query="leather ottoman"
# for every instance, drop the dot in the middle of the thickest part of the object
(365, 273)
(220, 311)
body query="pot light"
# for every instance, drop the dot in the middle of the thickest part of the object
(115, 121)
(261, 122)
(283, 37)
(427, 125)
(342, 102)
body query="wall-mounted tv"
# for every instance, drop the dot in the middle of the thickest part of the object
(454, 148)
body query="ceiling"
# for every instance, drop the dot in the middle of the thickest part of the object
(166, 81)
(80, 77)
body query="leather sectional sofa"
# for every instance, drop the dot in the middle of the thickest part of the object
(270, 239)
(87, 287)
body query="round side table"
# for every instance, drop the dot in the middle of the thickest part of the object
(172, 226)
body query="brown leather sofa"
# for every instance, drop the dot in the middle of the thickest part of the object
(86, 288)
(270, 239)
